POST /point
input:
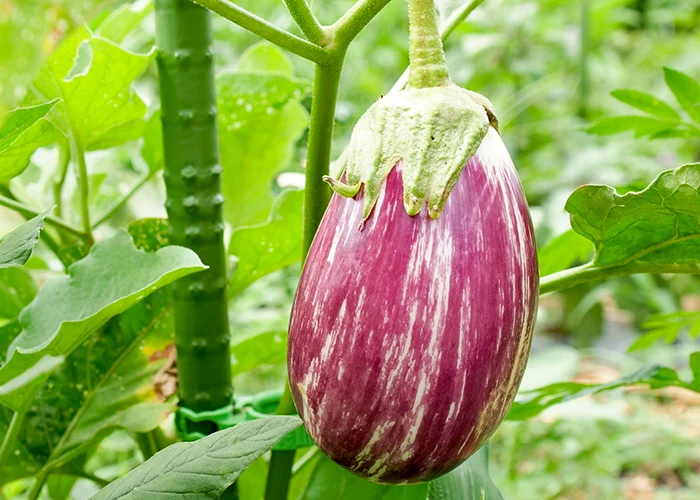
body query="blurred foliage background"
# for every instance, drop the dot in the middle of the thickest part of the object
(549, 67)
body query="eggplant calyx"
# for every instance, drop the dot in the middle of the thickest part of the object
(429, 133)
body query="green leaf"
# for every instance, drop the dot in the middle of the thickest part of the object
(8, 332)
(469, 481)
(264, 57)
(152, 150)
(123, 20)
(122, 394)
(16, 247)
(119, 134)
(564, 251)
(686, 90)
(60, 486)
(69, 308)
(647, 103)
(269, 348)
(329, 481)
(264, 248)
(104, 384)
(665, 326)
(150, 234)
(17, 289)
(93, 77)
(695, 367)
(654, 230)
(260, 120)
(532, 403)
(647, 340)
(25, 381)
(23, 131)
(684, 132)
(641, 125)
(202, 469)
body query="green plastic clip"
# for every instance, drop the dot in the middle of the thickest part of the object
(223, 418)
(245, 408)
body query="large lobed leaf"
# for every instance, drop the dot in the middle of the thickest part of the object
(103, 384)
(123, 20)
(267, 348)
(658, 227)
(202, 469)
(267, 247)
(17, 289)
(16, 247)
(93, 76)
(69, 308)
(260, 120)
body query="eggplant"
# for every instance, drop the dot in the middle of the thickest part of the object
(413, 319)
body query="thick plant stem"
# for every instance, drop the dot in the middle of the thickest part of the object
(317, 193)
(307, 22)
(194, 203)
(428, 66)
(266, 30)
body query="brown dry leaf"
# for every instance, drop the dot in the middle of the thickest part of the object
(165, 381)
(613, 313)
(682, 396)
(639, 487)
(690, 302)
(671, 480)
(597, 375)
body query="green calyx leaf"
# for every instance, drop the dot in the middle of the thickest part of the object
(432, 132)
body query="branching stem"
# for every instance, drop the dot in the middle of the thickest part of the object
(307, 22)
(264, 29)
(118, 204)
(345, 29)
(30, 212)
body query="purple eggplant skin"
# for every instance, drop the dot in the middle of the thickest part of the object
(409, 337)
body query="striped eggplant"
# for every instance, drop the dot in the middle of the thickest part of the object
(413, 319)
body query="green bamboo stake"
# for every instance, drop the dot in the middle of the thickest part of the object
(194, 204)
